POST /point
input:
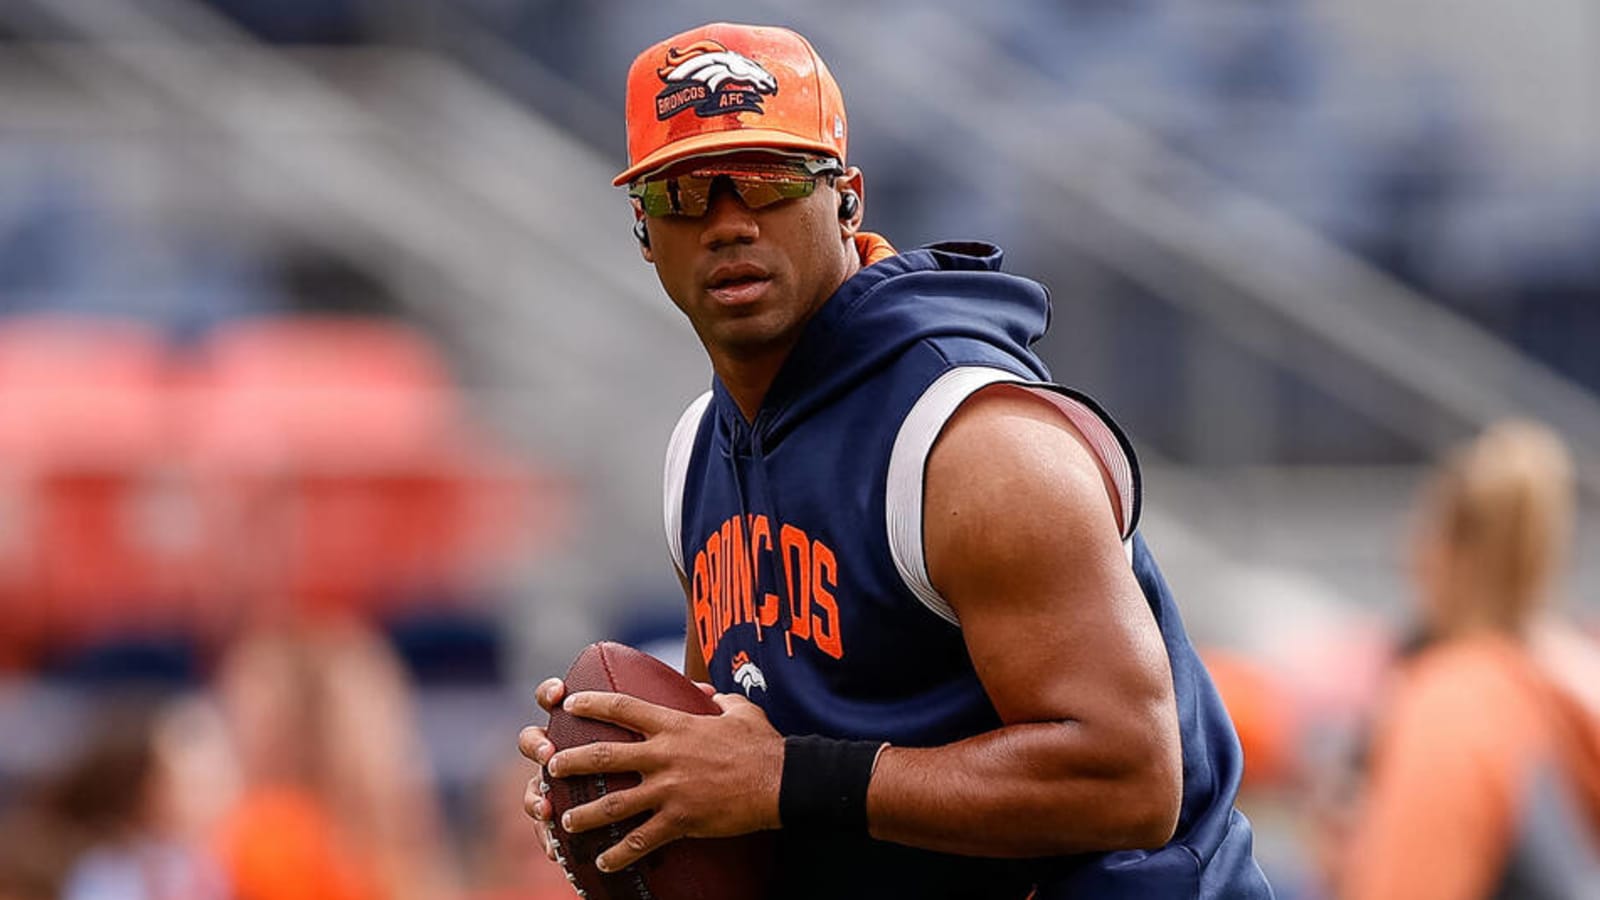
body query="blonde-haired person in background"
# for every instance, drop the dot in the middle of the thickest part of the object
(336, 802)
(1485, 778)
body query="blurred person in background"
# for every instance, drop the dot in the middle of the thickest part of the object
(35, 856)
(504, 857)
(336, 802)
(1485, 769)
(126, 818)
(992, 695)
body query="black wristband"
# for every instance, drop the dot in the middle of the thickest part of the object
(825, 783)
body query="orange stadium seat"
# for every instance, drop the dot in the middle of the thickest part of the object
(338, 468)
(91, 528)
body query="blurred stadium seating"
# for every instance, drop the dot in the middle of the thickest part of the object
(86, 433)
(345, 438)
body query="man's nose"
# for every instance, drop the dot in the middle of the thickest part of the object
(727, 219)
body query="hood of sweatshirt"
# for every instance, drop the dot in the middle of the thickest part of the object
(948, 290)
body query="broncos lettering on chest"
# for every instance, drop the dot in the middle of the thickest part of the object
(729, 587)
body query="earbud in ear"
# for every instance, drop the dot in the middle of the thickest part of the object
(640, 233)
(849, 205)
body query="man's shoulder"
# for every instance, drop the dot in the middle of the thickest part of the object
(1050, 444)
(691, 417)
(675, 472)
(1010, 427)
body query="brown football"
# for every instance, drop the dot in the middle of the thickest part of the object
(735, 868)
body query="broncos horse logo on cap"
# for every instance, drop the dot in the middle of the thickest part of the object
(712, 80)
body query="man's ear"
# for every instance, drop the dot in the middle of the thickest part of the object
(852, 190)
(641, 233)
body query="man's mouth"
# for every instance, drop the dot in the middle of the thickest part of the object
(738, 283)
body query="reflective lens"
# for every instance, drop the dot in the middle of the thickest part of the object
(758, 184)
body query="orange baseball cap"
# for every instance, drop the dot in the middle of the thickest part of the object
(720, 88)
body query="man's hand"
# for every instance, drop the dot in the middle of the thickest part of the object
(535, 745)
(701, 776)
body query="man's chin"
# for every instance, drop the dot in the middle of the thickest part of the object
(750, 337)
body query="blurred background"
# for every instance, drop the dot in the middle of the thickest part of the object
(333, 392)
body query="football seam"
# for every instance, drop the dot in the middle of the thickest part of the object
(602, 787)
(605, 664)
(638, 884)
(611, 682)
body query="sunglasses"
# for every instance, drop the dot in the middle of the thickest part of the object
(758, 184)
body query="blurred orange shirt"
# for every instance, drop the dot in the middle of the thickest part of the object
(1471, 739)
(279, 843)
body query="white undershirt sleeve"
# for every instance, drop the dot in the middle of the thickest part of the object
(680, 447)
(908, 463)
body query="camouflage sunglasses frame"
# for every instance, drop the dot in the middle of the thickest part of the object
(758, 184)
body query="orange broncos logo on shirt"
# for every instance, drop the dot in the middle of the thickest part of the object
(727, 572)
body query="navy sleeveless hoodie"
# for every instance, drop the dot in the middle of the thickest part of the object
(799, 536)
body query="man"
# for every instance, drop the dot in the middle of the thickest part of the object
(948, 666)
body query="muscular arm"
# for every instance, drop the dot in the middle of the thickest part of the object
(1022, 541)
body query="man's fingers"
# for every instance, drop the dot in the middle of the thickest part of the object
(549, 693)
(599, 758)
(537, 805)
(730, 702)
(533, 743)
(647, 837)
(534, 801)
(621, 709)
(615, 806)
